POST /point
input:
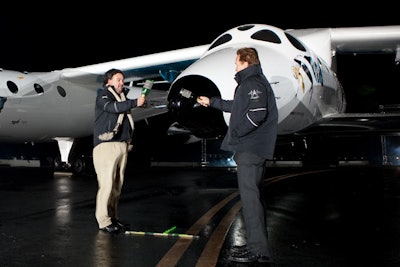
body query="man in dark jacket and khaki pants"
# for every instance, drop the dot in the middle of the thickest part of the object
(112, 135)
(252, 136)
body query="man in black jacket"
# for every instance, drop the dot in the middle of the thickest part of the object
(252, 136)
(112, 135)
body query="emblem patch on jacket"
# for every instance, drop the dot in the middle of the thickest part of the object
(254, 94)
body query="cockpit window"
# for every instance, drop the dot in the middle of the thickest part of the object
(266, 35)
(295, 42)
(38, 88)
(221, 40)
(12, 87)
(245, 27)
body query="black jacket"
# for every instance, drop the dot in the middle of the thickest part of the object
(254, 114)
(107, 110)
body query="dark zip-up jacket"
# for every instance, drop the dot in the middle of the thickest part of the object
(254, 115)
(107, 110)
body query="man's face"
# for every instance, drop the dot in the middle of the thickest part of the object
(240, 65)
(117, 81)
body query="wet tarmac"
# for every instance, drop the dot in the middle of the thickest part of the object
(347, 216)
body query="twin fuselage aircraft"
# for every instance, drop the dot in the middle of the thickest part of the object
(41, 107)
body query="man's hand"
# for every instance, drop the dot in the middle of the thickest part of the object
(203, 100)
(141, 100)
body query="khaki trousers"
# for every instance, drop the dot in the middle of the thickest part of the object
(109, 160)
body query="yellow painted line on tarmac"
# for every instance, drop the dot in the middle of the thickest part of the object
(211, 252)
(172, 257)
(291, 175)
(209, 256)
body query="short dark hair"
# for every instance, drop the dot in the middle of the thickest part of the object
(249, 55)
(110, 73)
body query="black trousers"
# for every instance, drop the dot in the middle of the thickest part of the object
(250, 172)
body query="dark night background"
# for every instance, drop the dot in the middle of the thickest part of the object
(45, 37)
(38, 37)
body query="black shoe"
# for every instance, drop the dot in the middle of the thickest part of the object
(112, 228)
(121, 225)
(247, 256)
(238, 249)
